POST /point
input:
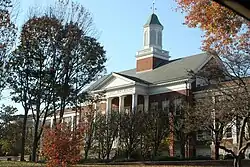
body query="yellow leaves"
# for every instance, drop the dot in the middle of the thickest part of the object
(221, 25)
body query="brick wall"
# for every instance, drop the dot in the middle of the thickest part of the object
(148, 64)
(185, 95)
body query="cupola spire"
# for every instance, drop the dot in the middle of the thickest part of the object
(152, 55)
(153, 6)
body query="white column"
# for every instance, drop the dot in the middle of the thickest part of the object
(72, 122)
(108, 106)
(134, 102)
(234, 131)
(146, 102)
(51, 122)
(121, 103)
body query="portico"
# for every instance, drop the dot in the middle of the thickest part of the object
(127, 103)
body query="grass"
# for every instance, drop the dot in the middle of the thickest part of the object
(28, 164)
(19, 164)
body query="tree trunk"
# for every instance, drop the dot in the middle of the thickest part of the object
(34, 149)
(24, 135)
(237, 161)
(156, 147)
(129, 156)
(86, 153)
(35, 142)
(182, 147)
(216, 150)
(129, 153)
(108, 154)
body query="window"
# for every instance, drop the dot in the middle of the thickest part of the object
(68, 121)
(201, 81)
(152, 37)
(140, 107)
(75, 121)
(177, 107)
(229, 132)
(145, 38)
(165, 106)
(199, 135)
(159, 38)
(127, 109)
(154, 106)
(203, 135)
(47, 123)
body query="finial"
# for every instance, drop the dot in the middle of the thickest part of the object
(153, 7)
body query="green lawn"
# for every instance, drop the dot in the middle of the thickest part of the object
(28, 164)
(18, 164)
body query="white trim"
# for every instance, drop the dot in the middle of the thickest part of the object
(141, 84)
(152, 55)
(167, 89)
(122, 77)
(120, 92)
(113, 88)
(144, 71)
(168, 83)
(113, 74)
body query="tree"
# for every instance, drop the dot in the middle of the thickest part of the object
(9, 130)
(227, 36)
(221, 26)
(59, 59)
(131, 126)
(155, 130)
(93, 121)
(212, 114)
(89, 118)
(178, 123)
(62, 146)
(226, 104)
(8, 32)
(106, 133)
(19, 81)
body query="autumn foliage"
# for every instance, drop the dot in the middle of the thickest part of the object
(222, 27)
(62, 146)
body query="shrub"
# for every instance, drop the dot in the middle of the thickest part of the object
(62, 146)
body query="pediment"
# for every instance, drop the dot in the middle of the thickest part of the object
(115, 81)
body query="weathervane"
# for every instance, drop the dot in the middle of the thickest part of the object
(153, 7)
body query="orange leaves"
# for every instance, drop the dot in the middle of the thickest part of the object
(221, 25)
(62, 146)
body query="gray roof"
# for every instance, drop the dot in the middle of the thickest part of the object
(153, 19)
(174, 70)
(134, 78)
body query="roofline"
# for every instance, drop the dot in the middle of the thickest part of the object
(168, 83)
(113, 88)
(113, 74)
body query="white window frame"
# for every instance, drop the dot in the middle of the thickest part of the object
(165, 106)
(177, 103)
(154, 106)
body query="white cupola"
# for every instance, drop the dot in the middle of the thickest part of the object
(152, 55)
(153, 33)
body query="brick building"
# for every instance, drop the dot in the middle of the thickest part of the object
(157, 82)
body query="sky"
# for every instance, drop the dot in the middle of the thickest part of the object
(120, 26)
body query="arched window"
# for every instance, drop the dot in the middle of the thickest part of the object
(145, 38)
(152, 37)
(159, 38)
